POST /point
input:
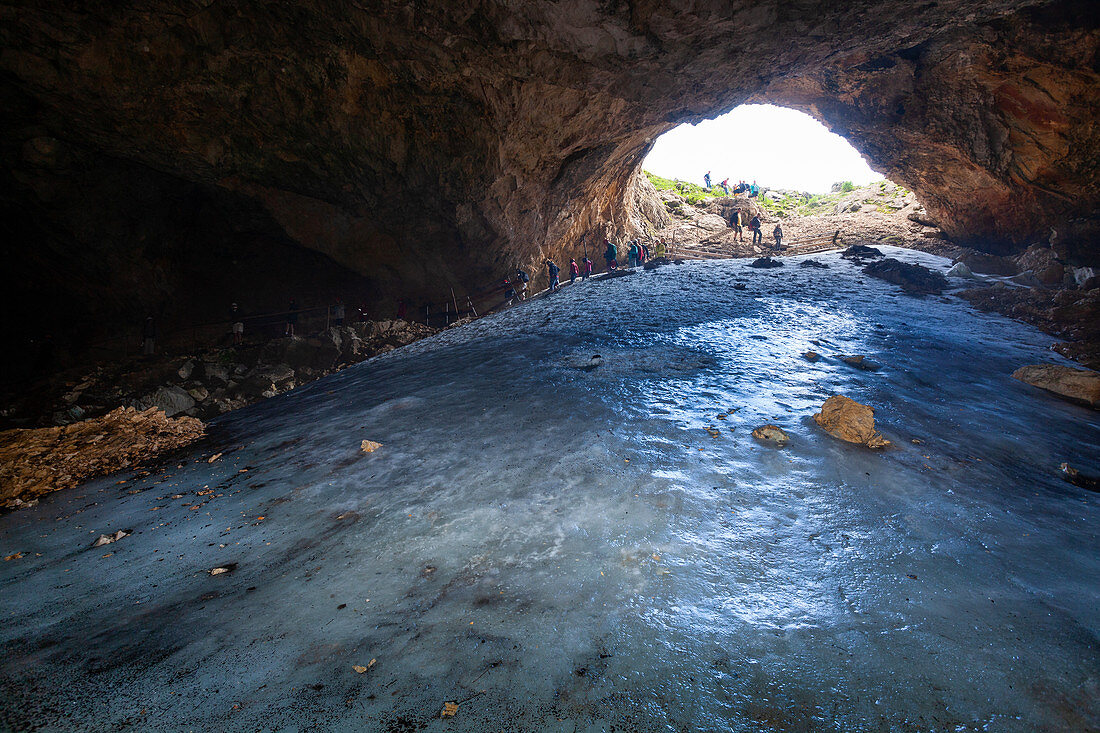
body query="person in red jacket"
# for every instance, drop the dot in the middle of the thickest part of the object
(574, 271)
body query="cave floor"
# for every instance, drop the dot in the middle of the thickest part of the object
(539, 546)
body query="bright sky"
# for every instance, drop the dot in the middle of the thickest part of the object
(775, 146)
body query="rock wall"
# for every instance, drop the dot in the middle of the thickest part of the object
(433, 145)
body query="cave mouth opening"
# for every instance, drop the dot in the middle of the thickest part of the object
(778, 147)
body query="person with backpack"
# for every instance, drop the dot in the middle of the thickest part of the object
(778, 234)
(509, 292)
(737, 222)
(553, 270)
(645, 252)
(587, 268)
(725, 186)
(632, 254)
(611, 254)
(757, 235)
(574, 271)
(522, 278)
(706, 178)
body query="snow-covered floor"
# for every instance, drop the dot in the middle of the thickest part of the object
(558, 549)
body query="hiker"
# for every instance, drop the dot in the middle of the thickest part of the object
(338, 313)
(364, 314)
(660, 250)
(632, 254)
(737, 222)
(757, 235)
(611, 254)
(291, 317)
(148, 336)
(706, 177)
(645, 252)
(574, 271)
(509, 293)
(741, 187)
(725, 184)
(553, 269)
(400, 309)
(587, 263)
(778, 234)
(522, 278)
(237, 319)
(754, 190)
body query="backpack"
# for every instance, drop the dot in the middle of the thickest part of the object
(524, 276)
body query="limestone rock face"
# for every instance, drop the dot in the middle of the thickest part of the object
(1076, 385)
(432, 145)
(848, 420)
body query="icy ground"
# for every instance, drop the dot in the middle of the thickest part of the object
(558, 549)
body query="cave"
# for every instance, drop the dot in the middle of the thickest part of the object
(727, 494)
(155, 157)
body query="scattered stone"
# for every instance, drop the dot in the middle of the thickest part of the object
(223, 569)
(772, 434)
(449, 710)
(106, 539)
(859, 361)
(214, 457)
(369, 446)
(765, 262)
(811, 356)
(739, 286)
(848, 420)
(37, 461)
(1075, 477)
(654, 263)
(913, 279)
(1026, 278)
(813, 263)
(988, 264)
(1076, 385)
(861, 252)
(959, 269)
(170, 400)
(186, 369)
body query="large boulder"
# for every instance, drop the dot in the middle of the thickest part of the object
(987, 264)
(1076, 385)
(170, 400)
(848, 420)
(913, 279)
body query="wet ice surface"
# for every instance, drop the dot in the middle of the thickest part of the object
(559, 549)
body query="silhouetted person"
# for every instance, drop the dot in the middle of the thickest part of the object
(291, 317)
(400, 309)
(706, 179)
(338, 313)
(737, 222)
(149, 337)
(236, 317)
(757, 235)
(778, 234)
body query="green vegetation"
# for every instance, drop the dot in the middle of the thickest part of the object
(847, 187)
(692, 194)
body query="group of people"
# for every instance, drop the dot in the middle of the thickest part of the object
(742, 187)
(638, 254)
(738, 222)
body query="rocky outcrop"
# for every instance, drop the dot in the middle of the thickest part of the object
(772, 434)
(1076, 385)
(913, 279)
(429, 146)
(36, 462)
(848, 420)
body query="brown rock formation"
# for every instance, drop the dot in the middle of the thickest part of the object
(36, 462)
(1076, 385)
(436, 145)
(846, 419)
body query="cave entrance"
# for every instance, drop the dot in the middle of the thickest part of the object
(810, 187)
(780, 148)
